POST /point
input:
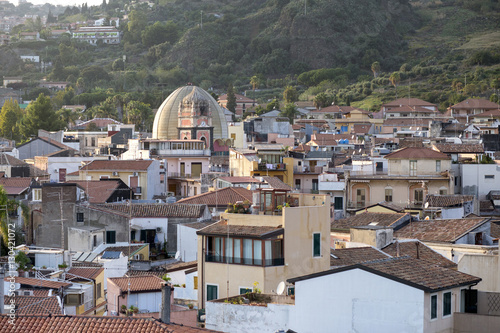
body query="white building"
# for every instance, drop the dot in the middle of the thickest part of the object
(108, 35)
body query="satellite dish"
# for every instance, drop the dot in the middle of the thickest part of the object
(281, 288)
(426, 205)
(177, 255)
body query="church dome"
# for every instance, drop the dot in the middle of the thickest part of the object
(166, 118)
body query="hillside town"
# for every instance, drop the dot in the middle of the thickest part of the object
(343, 220)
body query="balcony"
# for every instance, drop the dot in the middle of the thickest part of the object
(271, 166)
(182, 175)
(355, 205)
(244, 261)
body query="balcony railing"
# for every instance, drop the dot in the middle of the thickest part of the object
(182, 175)
(244, 261)
(271, 166)
(405, 205)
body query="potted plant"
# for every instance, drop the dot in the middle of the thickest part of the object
(123, 309)
(190, 306)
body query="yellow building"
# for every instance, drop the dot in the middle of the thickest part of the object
(263, 160)
(95, 277)
(244, 251)
(140, 175)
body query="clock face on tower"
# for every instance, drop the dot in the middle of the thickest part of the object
(203, 124)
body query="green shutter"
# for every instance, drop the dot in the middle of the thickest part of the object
(316, 245)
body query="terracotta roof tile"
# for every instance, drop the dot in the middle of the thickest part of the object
(91, 324)
(236, 180)
(89, 273)
(138, 283)
(356, 255)
(34, 304)
(98, 191)
(323, 139)
(6, 159)
(117, 165)
(276, 183)
(36, 292)
(222, 228)
(418, 250)
(126, 250)
(487, 114)
(495, 230)
(39, 283)
(459, 148)
(486, 206)
(364, 219)
(20, 182)
(422, 273)
(449, 230)
(155, 210)
(474, 103)
(417, 153)
(220, 197)
(447, 200)
(408, 101)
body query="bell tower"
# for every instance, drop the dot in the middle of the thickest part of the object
(195, 119)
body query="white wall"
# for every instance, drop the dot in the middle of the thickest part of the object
(356, 301)
(187, 243)
(473, 177)
(152, 223)
(187, 293)
(227, 317)
(114, 268)
(145, 301)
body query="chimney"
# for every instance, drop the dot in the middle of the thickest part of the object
(166, 292)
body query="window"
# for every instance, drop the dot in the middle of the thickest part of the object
(37, 194)
(98, 291)
(438, 166)
(316, 245)
(315, 184)
(413, 168)
(111, 237)
(447, 303)
(79, 217)
(434, 305)
(245, 290)
(360, 197)
(388, 194)
(297, 184)
(95, 241)
(443, 192)
(419, 196)
(212, 292)
(338, 203)
(489, 176)
(74, 299)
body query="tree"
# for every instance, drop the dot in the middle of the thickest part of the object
(231, 99)
(140, 114)
(290, 94)
(68, 116)
(322, 100)
(40, 115)
(375, 68)
(290, 112)
(136, 24)
(9, 117)
(159, 33)
(118, 65)
(395, 78)
(254, 81)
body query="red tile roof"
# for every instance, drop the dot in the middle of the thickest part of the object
(117, 165)
(222, 228)
(323, 139)
(221, 197)
(89, 273)
(50, 284)
(98, 191)
(475, 103)
(154, 210)
(138, 283)
(450, 148)
(276, 184)
(450, 200)
(237, 180)
(91, 324)
(6, 159)
(418, 250)
(408, 101)
(34, 305)
(447, 231)
(487, 114)
(356, 255)
(22, 182)
(420, 274)
(100, 122)
(417, 153)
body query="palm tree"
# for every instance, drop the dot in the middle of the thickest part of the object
(395, 78)
(254, 81)
(375, 68)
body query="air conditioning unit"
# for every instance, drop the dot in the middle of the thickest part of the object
(115, 173)
(158, 229)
